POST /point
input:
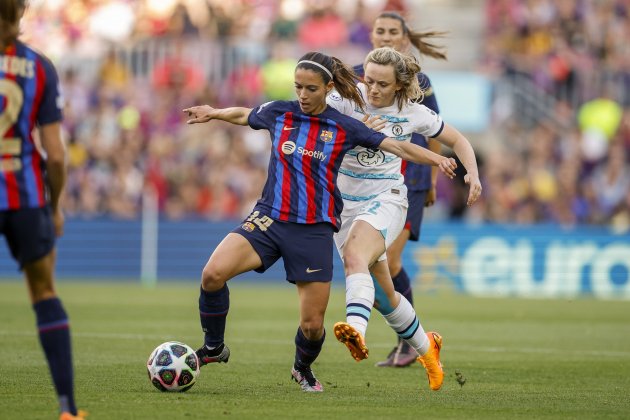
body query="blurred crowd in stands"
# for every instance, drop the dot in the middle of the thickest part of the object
(566, 134)
(129, 67)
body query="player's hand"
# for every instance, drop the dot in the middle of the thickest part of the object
(58, 221)
(429, 199)
(199, 114)
(374, 122)
(448, 166)
(475, 188)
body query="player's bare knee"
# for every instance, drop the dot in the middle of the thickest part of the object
(212, 279)
(353, 261)
(40, 281)
(312, 329)
(395, 265)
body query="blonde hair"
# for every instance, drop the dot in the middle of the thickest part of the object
(405, 68)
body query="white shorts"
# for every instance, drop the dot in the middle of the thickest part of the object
(386, 212)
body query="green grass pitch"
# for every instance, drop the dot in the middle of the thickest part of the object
(521, 358)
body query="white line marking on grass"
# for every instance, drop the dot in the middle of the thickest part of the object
(527, 350)
(190, 338)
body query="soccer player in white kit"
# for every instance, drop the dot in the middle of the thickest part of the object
(375, 204)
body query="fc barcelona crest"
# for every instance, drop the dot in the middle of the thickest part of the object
(248, 227)
(326, 136)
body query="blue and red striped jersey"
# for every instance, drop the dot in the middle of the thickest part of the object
(306, 152)
(417, 177)
(29, 95)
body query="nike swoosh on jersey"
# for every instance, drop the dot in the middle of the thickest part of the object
(288, 128)
(309, 271)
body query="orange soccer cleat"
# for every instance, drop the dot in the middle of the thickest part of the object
(431, 361)
(81, 415)
(353, 339)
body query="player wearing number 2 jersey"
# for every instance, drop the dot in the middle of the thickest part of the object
(391, 30)
(31, 182)
(370, 180)
(29, 88)
(375, 203)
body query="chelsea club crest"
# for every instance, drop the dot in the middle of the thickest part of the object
(371, 157)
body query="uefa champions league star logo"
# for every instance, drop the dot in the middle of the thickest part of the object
(335, 96)
(370, 157)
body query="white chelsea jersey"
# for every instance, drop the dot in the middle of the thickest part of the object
(365, 173)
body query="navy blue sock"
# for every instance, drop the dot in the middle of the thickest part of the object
(306, 351)
(213, 309)
(54, 335)
(402, 285)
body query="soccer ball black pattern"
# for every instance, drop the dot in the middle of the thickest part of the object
(173, 366)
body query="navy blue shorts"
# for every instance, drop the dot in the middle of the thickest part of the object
(29, 233)
(307, 250)
(415, 212)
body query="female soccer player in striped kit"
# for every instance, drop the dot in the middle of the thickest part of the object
(300, 205)
(31, 185)
(375, 204)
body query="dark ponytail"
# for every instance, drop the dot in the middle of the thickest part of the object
(417, 39)
(343, 77)
(10, 14)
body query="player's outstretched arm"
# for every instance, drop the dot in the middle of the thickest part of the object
(464, 151)
(205, 113)
(436, 147)
(414, 153)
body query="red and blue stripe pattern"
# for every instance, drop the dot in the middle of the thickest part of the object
(304, 180)
(23, 186)
(306, 153)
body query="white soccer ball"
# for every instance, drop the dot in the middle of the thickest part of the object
(173, 366)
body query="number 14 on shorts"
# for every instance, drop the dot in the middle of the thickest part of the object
(262, 222)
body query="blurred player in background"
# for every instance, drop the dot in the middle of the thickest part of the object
(391, 30)
(375, 204)
(31, 184)
(300, 206)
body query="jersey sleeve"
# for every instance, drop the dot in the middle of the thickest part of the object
(429, 100)
(427, 122)
(361, 135)
(50, 110)
(263, 116)
(343, 105)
